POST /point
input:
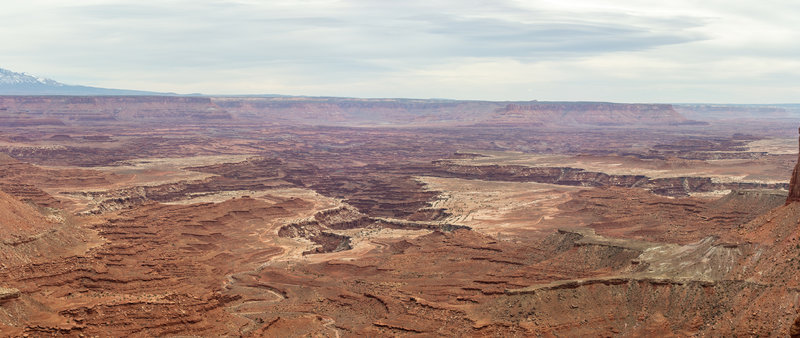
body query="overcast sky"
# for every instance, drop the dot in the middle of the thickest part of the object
(730, 51)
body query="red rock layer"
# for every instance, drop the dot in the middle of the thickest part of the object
(20, 219)
(594, 113)
(794, 184)
(49, 110)
(59, 110)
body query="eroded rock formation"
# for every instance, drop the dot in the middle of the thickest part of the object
(340, 231)
(594, 113)
(794, 184)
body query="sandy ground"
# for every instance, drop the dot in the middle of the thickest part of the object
(153, 171)
(497, 208)
(157, 171)
(778, 146)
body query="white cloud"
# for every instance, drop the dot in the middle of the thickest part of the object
(632, 50)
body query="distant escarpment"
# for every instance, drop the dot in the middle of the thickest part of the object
(58, 110)
(410, 111)
(50, 110)
(98, 110)
(591, 113)
(360, 111)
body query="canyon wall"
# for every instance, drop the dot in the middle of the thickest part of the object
(56, 110)
(794, 183)
(593, 113)
(106, 109)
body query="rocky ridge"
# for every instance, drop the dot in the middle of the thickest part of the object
(794, 184)
(591, 113)
(29, 110)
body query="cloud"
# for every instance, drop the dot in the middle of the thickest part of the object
(432, 48)
(201, 34)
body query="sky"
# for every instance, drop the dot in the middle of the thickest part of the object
(678, 51)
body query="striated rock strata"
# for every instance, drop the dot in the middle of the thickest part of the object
(794, 184)
(593, 113)
(106, 110)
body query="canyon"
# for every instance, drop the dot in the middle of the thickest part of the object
(308, 216)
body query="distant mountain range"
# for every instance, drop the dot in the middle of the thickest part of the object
(414, 111)
(13, 83)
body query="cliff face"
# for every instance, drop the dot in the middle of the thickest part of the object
(53, 110)
(794, 183)
(359, 111)
(591, 113)
(58, 110)
(407, 111)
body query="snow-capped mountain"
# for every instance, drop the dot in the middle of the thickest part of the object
(8, 77)
(13, 83)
